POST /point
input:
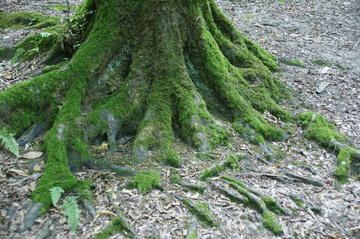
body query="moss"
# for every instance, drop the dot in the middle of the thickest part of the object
(116, 225)
(344, 156)
(60, 7)
(270, 223)
(202, 212)
(213, 171)
(192, 235)
(146, 181)
(19, 20)
(6, 53)
(322, 62)
(53, 67)
(38, 43)
(291, 62)
(272, 205)
(248, 15)
(298, 201)
(319, 129)
(174, 176)
(230, 179)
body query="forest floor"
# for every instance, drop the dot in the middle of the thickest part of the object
(324, 35)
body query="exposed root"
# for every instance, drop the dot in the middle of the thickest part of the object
(305, 179)
(201, 211)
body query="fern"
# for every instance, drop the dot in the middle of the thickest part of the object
(72, 212)
(8, 141)
(70, 206)
(17, 56)
(56, 194)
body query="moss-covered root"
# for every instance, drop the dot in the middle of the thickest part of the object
(175, 178)
(323, 132)
(342, 171)
(255, 199)
(118, 224)
(146, 181)
(219, 68)
(269, 222)
(201, 211)
(230, 162)
(319, 129)
(192, 231)
(307, 180)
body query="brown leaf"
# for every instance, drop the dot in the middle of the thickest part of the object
(18, 172)
(39, 167)
(32, 155)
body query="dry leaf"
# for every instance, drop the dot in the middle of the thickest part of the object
(102, 146)
(39, 167)
(32, 155)
(18, 172)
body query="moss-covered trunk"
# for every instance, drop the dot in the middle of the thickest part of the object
(151, 69)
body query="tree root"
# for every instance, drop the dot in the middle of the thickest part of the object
(118, 224)
(30, 216)
(104, 164)
(201, 211)
(306, 179)
(192, 231)
(255, 200)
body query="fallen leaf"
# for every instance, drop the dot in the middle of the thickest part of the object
(32, 155)
(101, 147)
(39, 167)
(19, 172)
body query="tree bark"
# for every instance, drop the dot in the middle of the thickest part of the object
(153, 69)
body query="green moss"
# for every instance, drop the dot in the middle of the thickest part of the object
(248, 15)
(174, 176)
(213, 170)
(6, 53)
(146, 181)
(297, 200)
(38, 43)
(291, 62)
(270, 223)
(344, 156)
(60, 7)
(322, 62)
(202, 212)
(53, 67)
(230, 179)
(272, 205)
(116, 225)
(319, 129)
(192, 235)
(19, 20)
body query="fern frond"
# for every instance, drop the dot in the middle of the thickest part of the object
(72, 212)
(8, 141)
(56, 194)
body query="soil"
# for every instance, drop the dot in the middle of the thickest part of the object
(312, 32)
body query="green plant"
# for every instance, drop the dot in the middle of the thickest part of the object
(8, 141)
(75, 31)
(70, 206)
(17, 56)
(145, 181)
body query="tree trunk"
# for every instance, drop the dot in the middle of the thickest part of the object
(151, 69)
